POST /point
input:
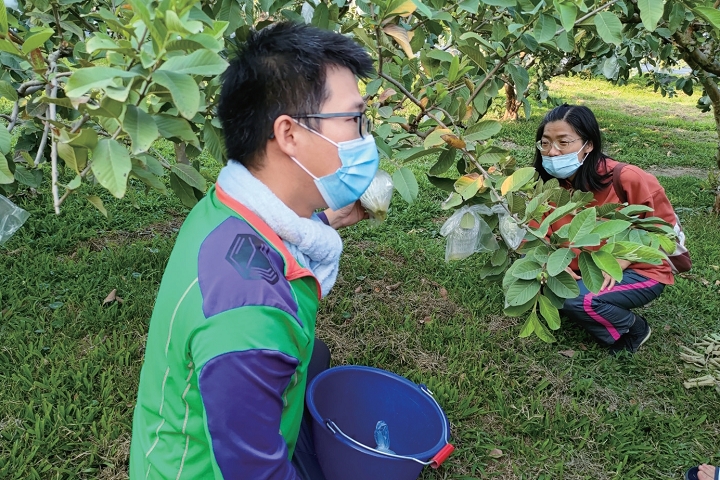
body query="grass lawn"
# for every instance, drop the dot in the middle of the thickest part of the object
(69, 364)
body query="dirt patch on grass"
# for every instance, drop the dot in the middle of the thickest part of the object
(120, 237)
(115, 454)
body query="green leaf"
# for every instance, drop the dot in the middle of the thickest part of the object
(608, 228)
(554, 299)
(74, 157)
(148, 178)
(5, 140)
(529, 326)
(568, 14)
(526, 270)
(444, 162)
(651, 11)
(521, 292)
(75, 183)
(111, 165)
(6, 176)
(200, 62)
(190, 176)
(176, 129)
(141, 127)
(100, 41)
(545, 28)
(589, 240)
(31, 178)
(563, 285)
(36, 39)
(609, 27)
(214, 142)
(608, 264)
(631, 210)
(592, 276)
(435, 138)
(3, 19)
(468, 185)
(445, 184)
(475, 55)
(517, 180)
(541, 330)
(183, 90)
(556, 214)
(482, 130)
(710, 14)
(97, 202)
(582, 224)
(500, 3)
(405, 184)
(7, 91)
(85, 79)
(453, 200)
(549, 312)
(185, 192)
(559, 260)
(423, 8)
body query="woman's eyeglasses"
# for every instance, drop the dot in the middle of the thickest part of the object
(545, 145)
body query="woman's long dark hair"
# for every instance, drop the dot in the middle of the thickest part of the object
(583, 121)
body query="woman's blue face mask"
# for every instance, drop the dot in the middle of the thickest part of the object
(359, 160)
(563, 166)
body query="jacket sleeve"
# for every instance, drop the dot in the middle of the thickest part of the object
(242, 393)
(643, 188)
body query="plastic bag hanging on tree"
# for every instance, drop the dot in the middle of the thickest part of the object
(511, 232)
(376, 198)
(12, 218)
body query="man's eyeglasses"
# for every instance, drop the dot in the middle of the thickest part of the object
(545, 145)
(364, 123)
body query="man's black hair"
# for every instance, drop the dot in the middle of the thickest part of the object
(583, 121)
(280, 69)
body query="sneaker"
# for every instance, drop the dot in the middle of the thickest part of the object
(634, 338)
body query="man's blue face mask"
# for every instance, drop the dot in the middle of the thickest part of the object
(563, 166)
(359, 162)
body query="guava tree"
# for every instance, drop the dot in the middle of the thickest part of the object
(93, 85)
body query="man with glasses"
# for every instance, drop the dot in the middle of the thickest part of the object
(231, 345)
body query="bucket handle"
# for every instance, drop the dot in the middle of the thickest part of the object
(434, 462)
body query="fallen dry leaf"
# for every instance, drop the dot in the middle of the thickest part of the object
(110, 297)
(358, 289)
(715, 267)
(387, 93)
(495, 453)
(425, 320)
(582, 347)
(443, 292)
(667, 328)
(394, 286)
(567, 353)
(376, 289)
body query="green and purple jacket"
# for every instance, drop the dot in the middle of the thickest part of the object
(222, 386)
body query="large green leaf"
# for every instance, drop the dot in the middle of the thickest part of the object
(545, 28)
(631, 210)
(517, 180)
(444, 162)
(592, 276)
(85, 79)
(31, 178)
(7, 91)
(568, 14)
(556, 214)
(500, 3)
(183, 90)
(563, 285)
(214, 142)
(6, 176)
(541, 330)
(190, 176)
(607, 263)
(582, 224)
(176, 129)
(97, 202)
(609, 27)
(36, 39)
(549, 312)
(141, 127)
(3, 19)
(559, 261)
(111, 165)
(185, 192)
(5, 139)
(710, 14)
(482, 130)
(609, 228)
(200, 62)
(526, 269)
(522, 291)
(651, 11)
(529, 326)
(405, 184)
(74, 157)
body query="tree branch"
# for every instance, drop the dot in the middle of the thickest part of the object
(590, 14)
(14, 116)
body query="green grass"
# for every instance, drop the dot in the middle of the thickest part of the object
(69, 364)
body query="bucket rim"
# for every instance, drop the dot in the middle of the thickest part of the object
(427, 455)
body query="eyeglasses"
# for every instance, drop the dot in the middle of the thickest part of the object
(364, 123)
(545, 145)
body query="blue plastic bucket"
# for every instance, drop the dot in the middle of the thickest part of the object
(347, 402)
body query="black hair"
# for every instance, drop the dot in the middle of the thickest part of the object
(280, 69)
(583, 121)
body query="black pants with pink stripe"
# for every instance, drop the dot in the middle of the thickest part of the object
(607, 315)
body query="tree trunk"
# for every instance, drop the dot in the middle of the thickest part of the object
(511, 102)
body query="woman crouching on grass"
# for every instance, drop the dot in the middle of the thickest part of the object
(569, 148)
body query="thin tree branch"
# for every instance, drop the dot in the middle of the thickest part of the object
(85, 23)
(14, 116)
(43, 143)
(82, 175)
(585, 17)
(57, 21)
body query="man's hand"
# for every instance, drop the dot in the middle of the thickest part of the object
(346, 216)
(609, 281)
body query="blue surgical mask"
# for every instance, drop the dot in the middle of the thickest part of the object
(563, 166)
(360, 161)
